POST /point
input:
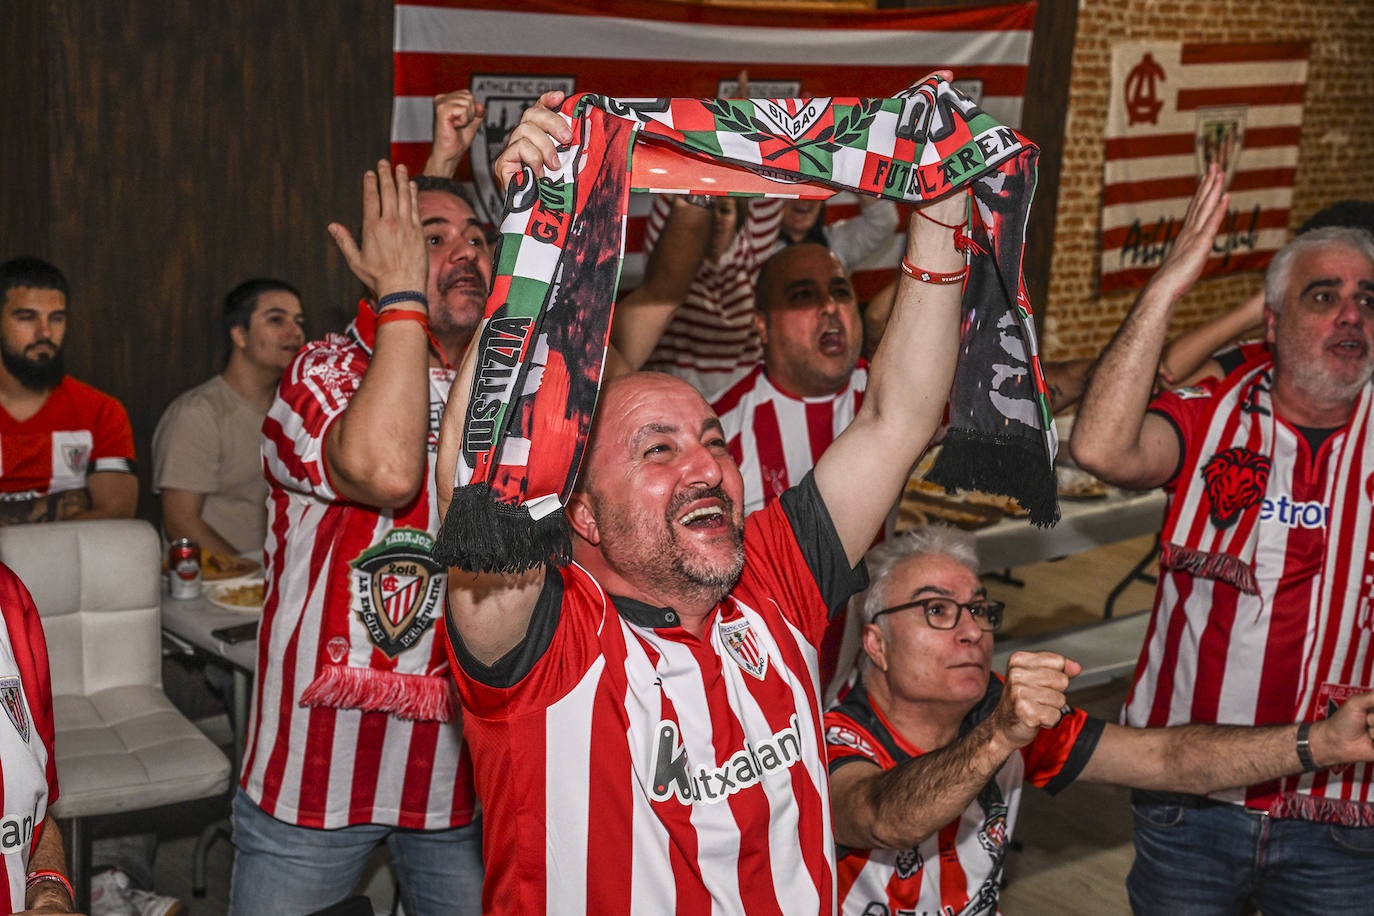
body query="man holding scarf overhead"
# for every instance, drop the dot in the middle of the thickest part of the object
(645, 721)
(1262, 615)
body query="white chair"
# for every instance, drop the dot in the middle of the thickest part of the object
(121, 744)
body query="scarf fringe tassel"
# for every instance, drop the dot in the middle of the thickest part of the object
(420, 697)
(1000, 465)
(1222, 566)
(480, 534)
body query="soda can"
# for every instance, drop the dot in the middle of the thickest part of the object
(183, 569)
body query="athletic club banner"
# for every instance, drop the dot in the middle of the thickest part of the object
(509, 54)
(1175, 108)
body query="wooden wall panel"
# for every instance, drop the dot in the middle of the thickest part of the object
(24, 135)
(195, 145)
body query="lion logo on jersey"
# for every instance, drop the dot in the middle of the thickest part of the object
(1236, 479)
(908, 862)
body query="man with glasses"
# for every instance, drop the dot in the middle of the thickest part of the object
(928, 755)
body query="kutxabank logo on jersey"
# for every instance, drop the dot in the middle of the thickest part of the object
(673, 775)
(397, 589)
(505, 96)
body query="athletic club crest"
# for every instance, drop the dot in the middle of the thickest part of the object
(742, 643)
(1220, 136)
(77, 457)
(12, 695)
(505, 97)
(1235, 481)
(398, 589)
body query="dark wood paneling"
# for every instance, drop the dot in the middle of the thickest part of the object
(24, 135)
(194, 145)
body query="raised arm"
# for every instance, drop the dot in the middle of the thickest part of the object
(457, 118)
(375, 450)
(1188, 357)
(645, 312)
(1206, 758)
(908, 386)
(1113, 436)
(874, 808)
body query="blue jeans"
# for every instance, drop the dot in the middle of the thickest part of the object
(1210, 860)
(286, 870)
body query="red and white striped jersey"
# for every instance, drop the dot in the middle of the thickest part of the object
(347, 585)
(626, 766)
(775, 437)
(77, 431)
(959, 868)
(712, 339)
(28, 769)
(1214, 654)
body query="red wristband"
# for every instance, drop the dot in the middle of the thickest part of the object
(931, 276)
(38, 877)
(390, 315)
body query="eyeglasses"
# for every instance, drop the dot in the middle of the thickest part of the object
(943, 613)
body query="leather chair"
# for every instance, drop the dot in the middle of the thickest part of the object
(121, 744)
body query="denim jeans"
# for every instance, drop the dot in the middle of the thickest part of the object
(286, 870)
(1209, 860)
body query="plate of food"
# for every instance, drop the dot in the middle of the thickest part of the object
(246, 596)
(216, 567)
(949, 509)
(1076, 484)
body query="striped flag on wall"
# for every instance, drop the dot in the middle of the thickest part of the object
(1174, 109)
(508, 54)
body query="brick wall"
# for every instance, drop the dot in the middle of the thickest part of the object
(1336, 159)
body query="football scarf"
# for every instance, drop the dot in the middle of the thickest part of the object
(543, 343)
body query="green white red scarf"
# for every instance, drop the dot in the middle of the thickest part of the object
(548, 319)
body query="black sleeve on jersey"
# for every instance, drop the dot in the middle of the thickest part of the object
(820, 544)
(1079, 755)
(508, 670)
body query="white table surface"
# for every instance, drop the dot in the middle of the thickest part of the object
(1083, 525)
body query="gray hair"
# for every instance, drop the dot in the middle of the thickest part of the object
(883, 559)
(1281, 267)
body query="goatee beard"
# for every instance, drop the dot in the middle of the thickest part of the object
(35, 375)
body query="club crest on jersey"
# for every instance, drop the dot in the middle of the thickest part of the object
(908, 862)
(398, 589)
(12, 695)
(505, 96)
(993, 835)
(1235, 481)
(742, 644)
(76, 456)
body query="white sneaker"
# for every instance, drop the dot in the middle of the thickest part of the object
(110, 894)
(147, 903)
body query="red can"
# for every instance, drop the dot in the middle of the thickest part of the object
(183, 569)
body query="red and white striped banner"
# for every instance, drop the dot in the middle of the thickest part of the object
(1174, 109)
(508, 54)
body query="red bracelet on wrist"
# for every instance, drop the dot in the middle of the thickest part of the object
(932, 276)
(46, 874)
(400, 314)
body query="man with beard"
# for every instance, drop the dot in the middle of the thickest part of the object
(66, 449)
(356, 737)
(645, 722)
(929, 755)
(1262, 614)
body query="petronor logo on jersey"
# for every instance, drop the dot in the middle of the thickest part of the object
(674, 776)
(398, 589)
(742, 644)
(1236, 478)
(12, 696)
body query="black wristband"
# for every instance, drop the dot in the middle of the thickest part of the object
(405, 295)
(1305, 748)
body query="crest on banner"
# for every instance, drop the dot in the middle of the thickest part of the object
(1220, 136)
(505, 97)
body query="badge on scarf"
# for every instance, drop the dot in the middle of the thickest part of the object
(743, 645)
(12, 695)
